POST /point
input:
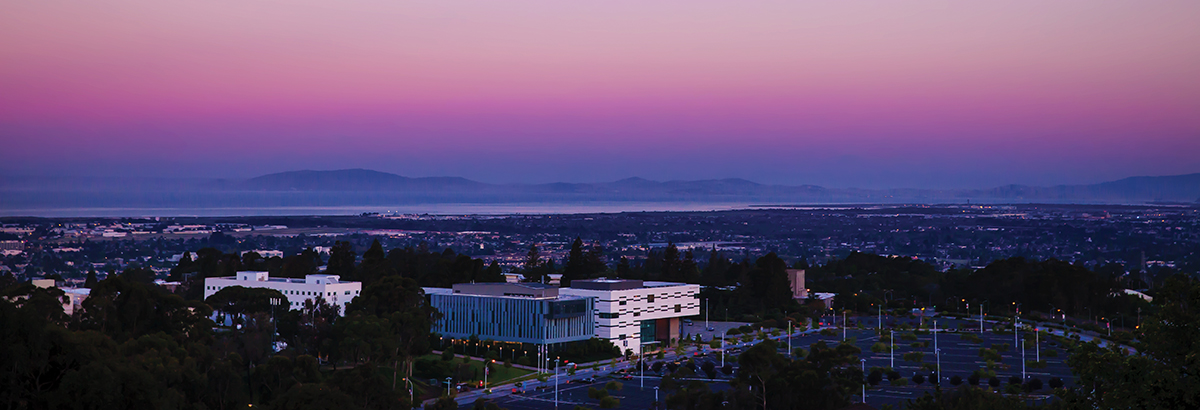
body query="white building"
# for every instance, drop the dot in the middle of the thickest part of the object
(329, 287)
(265, 253)
(632, 313)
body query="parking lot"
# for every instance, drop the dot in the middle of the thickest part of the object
(959, 357)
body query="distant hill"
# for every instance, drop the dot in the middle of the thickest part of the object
(1177, 188)
(353, 180)
(362, 187)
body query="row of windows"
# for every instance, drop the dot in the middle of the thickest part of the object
(291, 292)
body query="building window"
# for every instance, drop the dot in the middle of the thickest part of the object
(609, 315)
(650, 298)
(622, 303)
(678, 308)
(636, 314)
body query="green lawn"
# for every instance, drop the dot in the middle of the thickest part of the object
(499, 372)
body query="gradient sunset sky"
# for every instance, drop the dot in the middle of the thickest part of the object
(869, 94)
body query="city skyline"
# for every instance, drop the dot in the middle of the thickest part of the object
(871, 95)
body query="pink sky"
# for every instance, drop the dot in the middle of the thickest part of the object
(858, 93)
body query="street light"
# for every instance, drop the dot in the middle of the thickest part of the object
(892, 349)
(864, 385)
(936, 351)
(556, 381)
(411, 388)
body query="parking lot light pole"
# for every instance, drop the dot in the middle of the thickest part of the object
(880, 326)
(1037, 343)
(843, 325)
(980, 318)
(1022, 360)
(938, 353)
(556, 358)
(864, 386)
(892, 349)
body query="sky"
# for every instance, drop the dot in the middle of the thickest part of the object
(871, 94)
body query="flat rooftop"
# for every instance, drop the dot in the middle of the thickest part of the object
(619, 284)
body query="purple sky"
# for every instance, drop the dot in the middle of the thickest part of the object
(866, 94)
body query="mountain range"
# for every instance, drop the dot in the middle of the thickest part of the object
(362, 187)
(1175, 188)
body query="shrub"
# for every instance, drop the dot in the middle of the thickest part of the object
(1014, 380)
(447, 355)
(918, 379)
(908, 336)
(1050, 353)
(957, 380)
(971, 337)
(916, 357)
(900, 382)
(597, 394)
(875, 378)
(1033, 384)
(733, 332)
(1056, 383)
(994, 382)
(973, 379)
(879, 347)
(893, 375)
(609, 402)
(989, 354)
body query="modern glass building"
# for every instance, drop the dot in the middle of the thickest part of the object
(511, 312)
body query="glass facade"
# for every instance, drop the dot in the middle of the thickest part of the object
(648, 330)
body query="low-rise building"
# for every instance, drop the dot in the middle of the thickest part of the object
(638, 315)
(328, 287)
(796, 280)
(511, 312)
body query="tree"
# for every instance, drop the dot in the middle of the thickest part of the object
(341, 260)
(312, 396)
(238, 300)
(1162, 375)
(400, 301)
(90, 282)
(575, 264)
(375, 265)
(670, 263)
(624, 271)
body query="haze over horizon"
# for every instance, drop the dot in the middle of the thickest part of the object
(871, 95)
